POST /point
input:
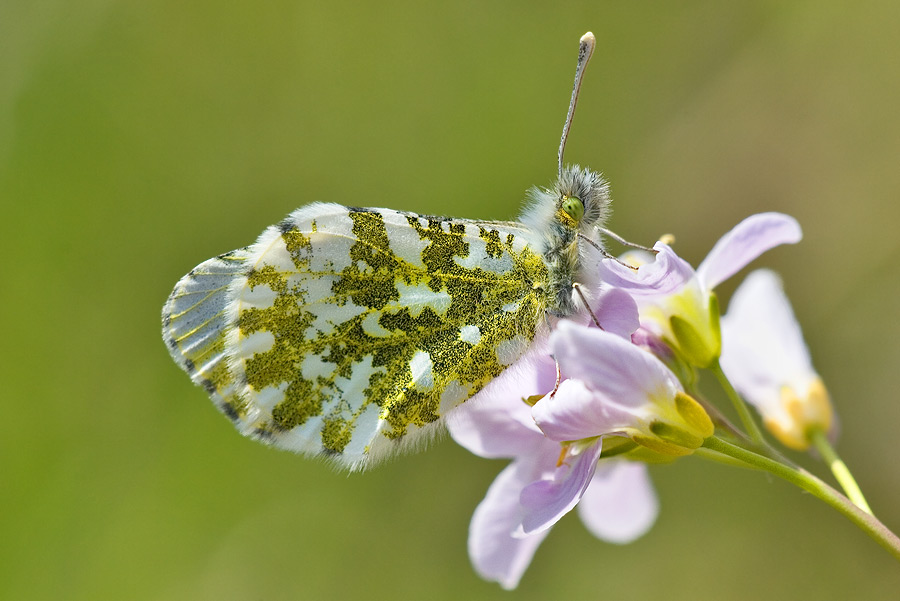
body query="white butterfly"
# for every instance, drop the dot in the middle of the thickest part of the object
(348, 332)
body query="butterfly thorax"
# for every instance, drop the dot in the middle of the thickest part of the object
(567, 218)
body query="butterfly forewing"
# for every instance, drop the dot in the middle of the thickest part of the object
(195, 324)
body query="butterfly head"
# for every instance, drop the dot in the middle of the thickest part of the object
(582, 200)
(565, 221)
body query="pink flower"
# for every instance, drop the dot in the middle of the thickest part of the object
(536, 489)
(617, 388)
(618, 503)
(677, 303)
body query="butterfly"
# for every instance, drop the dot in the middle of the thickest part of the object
(350, 332)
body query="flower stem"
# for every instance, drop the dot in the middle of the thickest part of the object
(839, 469)
(739, 405)
(800, 477)
(718, 457)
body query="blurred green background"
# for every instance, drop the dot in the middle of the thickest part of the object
(140, 138)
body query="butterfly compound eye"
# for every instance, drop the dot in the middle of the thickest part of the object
(573, 207)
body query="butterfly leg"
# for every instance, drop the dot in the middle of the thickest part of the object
(587, 306)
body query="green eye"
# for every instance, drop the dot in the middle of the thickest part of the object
(573, 207)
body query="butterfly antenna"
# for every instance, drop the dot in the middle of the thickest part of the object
(585, 50)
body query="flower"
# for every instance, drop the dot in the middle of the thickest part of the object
(767, 361)
(677, 304)
(616, 388)
(615, 497)
(617, 501)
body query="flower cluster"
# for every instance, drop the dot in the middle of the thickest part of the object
(585, 412)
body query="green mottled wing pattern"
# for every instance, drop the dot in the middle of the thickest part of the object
(349, 332)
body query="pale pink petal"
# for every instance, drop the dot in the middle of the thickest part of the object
(663, 274)
(496, 554)
(494, 430)
(617, 312)
(533, 373)
(576, 412)
(650, 341)
(545, 501)
(620, 505)
(611, 366)
(746, 241)
(497, 422)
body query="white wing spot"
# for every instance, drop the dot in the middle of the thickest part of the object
(268, 397)
(454, 394)
(313, 366)
(404, 241)
(360, 374)
(258, 297)
(371, 326)
(257, 342)
(420, 366)
(470, 334)
(279, 258)
(418, 298)
(510, 350)
(303, 439)
(331, 252)
(363, 430)
(478, 255)
(327, 316)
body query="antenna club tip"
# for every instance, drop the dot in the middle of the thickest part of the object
(587, 44)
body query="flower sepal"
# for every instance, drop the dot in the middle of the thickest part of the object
(614, 446)
(699, 343)
(642, 454)
(694, 415)
(678, 437)
(623, 447)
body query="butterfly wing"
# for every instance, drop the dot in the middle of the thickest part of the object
(351, 332)
(195, 325)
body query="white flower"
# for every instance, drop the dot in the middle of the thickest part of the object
(767, 361)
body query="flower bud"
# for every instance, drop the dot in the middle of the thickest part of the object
(800, 414)
(695, 329)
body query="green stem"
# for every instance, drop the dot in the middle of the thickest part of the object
(739, 405)
(735, 436)
(865, 521)
(839, 469)
(718, 457)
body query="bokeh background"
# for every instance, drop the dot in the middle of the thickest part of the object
(140, 138)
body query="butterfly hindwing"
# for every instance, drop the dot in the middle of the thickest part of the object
(350, 331)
